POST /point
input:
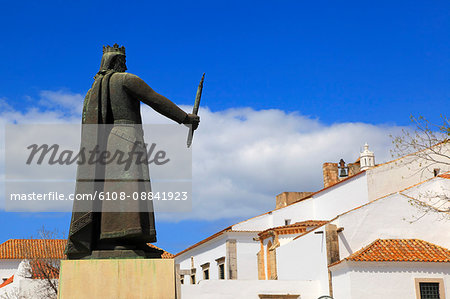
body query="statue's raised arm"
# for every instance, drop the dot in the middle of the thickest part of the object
(136, 87)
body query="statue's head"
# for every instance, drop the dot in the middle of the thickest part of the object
(113, 59)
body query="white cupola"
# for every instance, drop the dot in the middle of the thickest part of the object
(366, 158)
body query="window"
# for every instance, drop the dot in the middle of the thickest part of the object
(206, 274)
(193, 279)
(222, 271)
(287, 221)
(205, 269)
(182, 279)
(429, 288)
(221, 266)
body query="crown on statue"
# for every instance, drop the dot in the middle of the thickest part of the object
(114, 49)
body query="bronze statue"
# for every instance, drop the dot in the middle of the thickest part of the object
(114, 101)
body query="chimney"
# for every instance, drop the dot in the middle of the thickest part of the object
(330, 174)
(367, 158)
(354, 168)
(286, 198)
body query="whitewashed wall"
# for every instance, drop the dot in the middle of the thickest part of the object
(248, 289)
(246, 249)
(435, 192)
(402, 173)
(8, 268)
(391, 217)
(386, 218)
(322, 206)
(341, 198)
(304, 259)
(284, 239)
(204, 253)
(389, 280)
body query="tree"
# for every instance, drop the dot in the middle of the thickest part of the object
(428, 150)
(428, 141)
(44, 261)
(11, 293)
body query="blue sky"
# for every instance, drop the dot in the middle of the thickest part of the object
(356, 65)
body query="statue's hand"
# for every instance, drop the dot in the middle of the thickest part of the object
(192, 119)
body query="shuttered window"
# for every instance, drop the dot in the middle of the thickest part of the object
(222, 271)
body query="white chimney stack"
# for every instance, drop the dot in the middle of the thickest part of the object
(367, 158)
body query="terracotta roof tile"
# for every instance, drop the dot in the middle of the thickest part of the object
(400, 250)
(42, 269)
(32, 248)
(43, 249)
(309, 223)
(298, 227)
(165, 255)
(445, 175)
(8, 281)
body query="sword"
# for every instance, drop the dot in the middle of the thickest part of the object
(195, 109)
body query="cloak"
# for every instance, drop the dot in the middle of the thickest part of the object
(102, 225)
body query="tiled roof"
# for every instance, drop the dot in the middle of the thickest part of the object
(445, 175)
(401, 250)
(6, 282)
(165, 255)
(43, 249)
(298, 227)
(309, 223)
(32, 248)
(41, 269)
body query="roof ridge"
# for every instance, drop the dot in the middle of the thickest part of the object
(304, 198)
(213, 236)
(296, 224)
(366, 248)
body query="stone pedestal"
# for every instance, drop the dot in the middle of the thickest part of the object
(117, 278)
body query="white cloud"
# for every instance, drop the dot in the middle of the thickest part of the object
(243, 157)
(72, 103)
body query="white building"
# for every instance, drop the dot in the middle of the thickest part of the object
(311, 245)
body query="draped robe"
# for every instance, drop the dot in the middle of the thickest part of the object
(113, 103)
